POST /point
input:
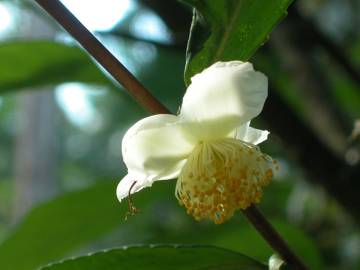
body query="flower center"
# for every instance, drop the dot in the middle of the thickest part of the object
(223, 176)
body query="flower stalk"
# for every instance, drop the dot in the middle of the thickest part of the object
(108, 61)
(272, 237)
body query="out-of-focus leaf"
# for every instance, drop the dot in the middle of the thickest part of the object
(72, 221)
(53, 229)
(164, 82)
(171, 224)
(38, 63)
(161, 257)
(229, 30)
(236, 234)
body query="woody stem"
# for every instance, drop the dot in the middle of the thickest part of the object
(272, 237)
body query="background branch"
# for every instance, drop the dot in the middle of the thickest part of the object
(319, 162)
(311, 85)
(311, 32)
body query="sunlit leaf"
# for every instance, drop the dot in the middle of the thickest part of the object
(229, 30)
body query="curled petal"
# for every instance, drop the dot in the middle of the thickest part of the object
(223, 97)
(251, 135)
(130, 182)
(240, 131)
(256, 136)
(155, 148)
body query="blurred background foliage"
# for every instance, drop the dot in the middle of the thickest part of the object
(60, 138)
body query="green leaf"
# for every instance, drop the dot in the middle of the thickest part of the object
(72, 223)
(229, 30)
(39, 63)
(53, 229)
(161, 257)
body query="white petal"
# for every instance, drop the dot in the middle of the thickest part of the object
(251, 135)
(256, 136)
(123, 188)
(224, 96)
(156, 148)
(240, 131)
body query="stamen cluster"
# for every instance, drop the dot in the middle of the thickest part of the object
(221, 177)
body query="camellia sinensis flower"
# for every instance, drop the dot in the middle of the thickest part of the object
(209, 146)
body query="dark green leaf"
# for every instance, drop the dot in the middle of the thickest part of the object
(71, 222)
(55, 228)
(229, 30)
(161, 257)
(39, 63)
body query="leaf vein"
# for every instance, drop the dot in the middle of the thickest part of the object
(227, 32)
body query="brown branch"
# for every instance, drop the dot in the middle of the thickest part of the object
(272, 237)
(94, 47)
(60, 13)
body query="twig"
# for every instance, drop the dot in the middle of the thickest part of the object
(94, 47)
(64, 17)
(273, 238)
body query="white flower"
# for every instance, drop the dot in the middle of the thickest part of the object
(209, 146)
